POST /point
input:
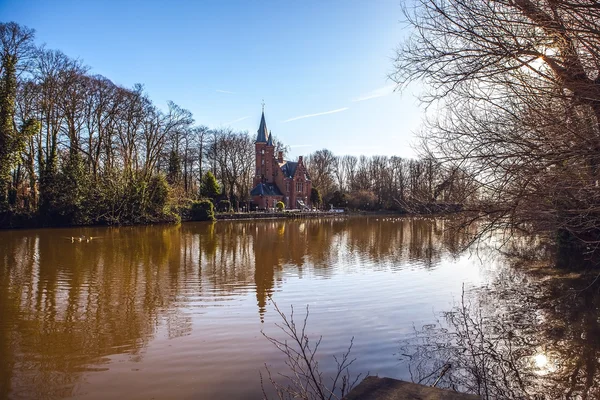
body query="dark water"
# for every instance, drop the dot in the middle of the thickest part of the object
(177, 311)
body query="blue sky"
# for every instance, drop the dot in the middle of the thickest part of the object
(219, 59)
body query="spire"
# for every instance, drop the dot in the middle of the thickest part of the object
(270, 141)
(263, 132)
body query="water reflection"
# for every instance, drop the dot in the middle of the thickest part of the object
(531, 333)
(67, 307)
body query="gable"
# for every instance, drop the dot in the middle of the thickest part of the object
(300, 172)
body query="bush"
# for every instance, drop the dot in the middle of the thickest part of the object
(116, 200)
(224, 206)
(339, 200)
(280, 206)
(158, 196)
(203, 210)
(362, 200)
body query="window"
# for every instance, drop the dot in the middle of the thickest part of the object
(287, 187)
(262, 161)
(262, 151)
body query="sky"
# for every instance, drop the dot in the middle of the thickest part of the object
(321, 67)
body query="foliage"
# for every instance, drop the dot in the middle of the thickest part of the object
(339, 199)
(280, 205)
(315, 197)
(174, 168)
(66, 192)
(362, 200)
(203, 210)
(224, 206)
(16, 42)
(209, 187)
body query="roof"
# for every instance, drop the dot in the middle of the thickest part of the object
(270, 141)
(265, 189)
(263, 132)
(289, 168)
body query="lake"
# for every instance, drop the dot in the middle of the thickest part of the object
(156, 312)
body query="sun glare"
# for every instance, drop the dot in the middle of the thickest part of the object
(543, 365)
(541, 361)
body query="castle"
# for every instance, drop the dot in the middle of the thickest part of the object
(277, 179)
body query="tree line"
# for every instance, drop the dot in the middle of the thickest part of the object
(392, 183)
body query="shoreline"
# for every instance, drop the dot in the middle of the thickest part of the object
(278, 215)
(33, 224)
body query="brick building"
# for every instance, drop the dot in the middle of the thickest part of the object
(277, 179)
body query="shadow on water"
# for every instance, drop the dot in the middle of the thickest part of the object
(532, 333)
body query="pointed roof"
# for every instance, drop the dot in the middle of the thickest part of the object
(270, 141)
(263, 132)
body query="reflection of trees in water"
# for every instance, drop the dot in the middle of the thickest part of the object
(66, 306)
(528, 336)
(397, 241)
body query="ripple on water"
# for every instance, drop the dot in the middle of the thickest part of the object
(177, 311)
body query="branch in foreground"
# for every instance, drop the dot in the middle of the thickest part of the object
(304, 380)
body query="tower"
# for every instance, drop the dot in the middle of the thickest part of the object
(264, 152)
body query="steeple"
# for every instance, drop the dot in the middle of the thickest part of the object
(270, 141)
(263, 132)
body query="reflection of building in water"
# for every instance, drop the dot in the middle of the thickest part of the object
(266, 261)
(65, 306)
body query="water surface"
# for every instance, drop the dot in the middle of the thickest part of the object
(177, 311)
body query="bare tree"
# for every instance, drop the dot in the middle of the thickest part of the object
(516, 82)
(321, 166)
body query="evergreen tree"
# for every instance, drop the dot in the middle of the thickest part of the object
(209, 187)
(315, 197)
(174, 172)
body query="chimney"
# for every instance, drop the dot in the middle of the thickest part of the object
(299, 158)
(280, 156)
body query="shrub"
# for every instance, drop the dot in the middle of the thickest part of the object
(280, 206)
(362, 200)
(203, 210)
(158, 195)
(224, 206)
